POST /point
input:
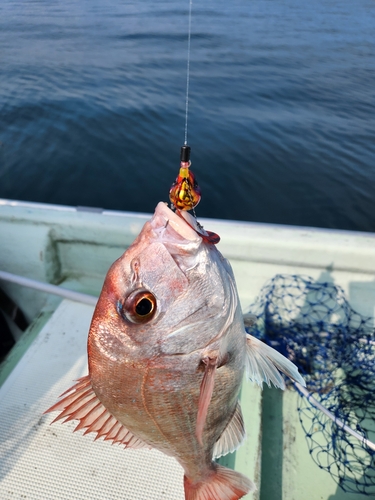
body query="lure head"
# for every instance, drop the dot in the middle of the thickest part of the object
(185, 194)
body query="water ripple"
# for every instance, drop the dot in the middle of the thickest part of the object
(282, 110)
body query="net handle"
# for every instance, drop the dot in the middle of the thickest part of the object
(330, 415)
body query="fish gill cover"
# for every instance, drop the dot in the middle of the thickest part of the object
(313, 325)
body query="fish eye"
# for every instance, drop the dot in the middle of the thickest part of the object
(144, 306)
(139, 307)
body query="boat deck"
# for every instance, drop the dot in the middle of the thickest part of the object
(74, 248)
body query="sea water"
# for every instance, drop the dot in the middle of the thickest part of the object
(281, 108)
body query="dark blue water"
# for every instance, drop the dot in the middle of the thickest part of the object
(282, 106)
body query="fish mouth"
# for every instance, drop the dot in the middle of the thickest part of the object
(185, 225)
(182, 223)
(182, 236)
(178, 236)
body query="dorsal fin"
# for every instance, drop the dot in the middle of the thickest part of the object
(81, 403)
(232, 436)
(263, 364)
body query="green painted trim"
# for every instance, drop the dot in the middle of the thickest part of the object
(248, 456)
(16, 353)
(272, 444)
(247, 459)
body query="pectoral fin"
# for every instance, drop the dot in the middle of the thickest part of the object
(81, 403)
(264, 364)
(207, 387)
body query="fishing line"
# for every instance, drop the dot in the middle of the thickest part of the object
(188, 74)
(185, 193)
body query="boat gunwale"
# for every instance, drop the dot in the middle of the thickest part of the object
(4, 202)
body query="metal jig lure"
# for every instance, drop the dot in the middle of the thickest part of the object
(185, 194)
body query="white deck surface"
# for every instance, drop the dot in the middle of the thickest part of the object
(39, 461)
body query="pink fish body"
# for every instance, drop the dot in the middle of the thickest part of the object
(167, 351)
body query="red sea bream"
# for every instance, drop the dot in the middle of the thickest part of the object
(167, 350)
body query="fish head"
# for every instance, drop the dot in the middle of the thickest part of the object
(171, 292)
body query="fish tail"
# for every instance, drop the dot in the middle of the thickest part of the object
(220, 484)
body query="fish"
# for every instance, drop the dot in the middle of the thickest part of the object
(167, 352)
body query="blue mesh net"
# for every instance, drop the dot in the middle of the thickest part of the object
(313, 325)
